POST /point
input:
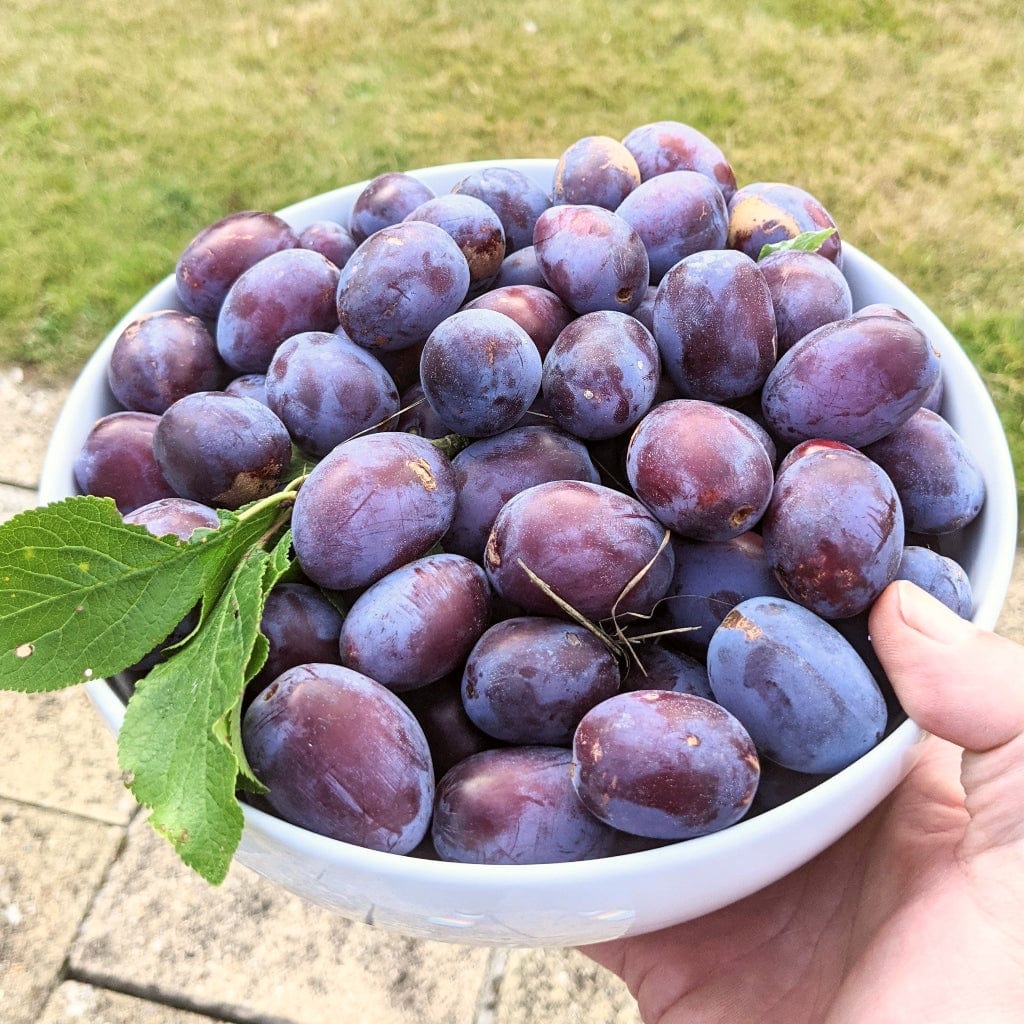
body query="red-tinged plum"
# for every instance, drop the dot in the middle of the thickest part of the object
(539, 311)
(480, 372)
(654, 667)
(326, 389)
(117, 461)
(221, 450)
(515, 805)
(451, 734)
(515, 198)
(595, 171)
(490, 471)
(598, 550)
(385, 201)
(591, 258)
(400, 284)
(663, 764)
(249, 385)
(665, 146)
(808, 291)
(881, 309)
(715, 326)
(371, 505)
(815, 444)
(676, 215)
(940, 576)
(212, 262)
(834, 532)
(770, 211)
(161, 357)
(476, 229)
(601, 375)
(710, 579)
(940, 483)
(529, 680)
(341, 756)
(285, 294)
(801, 691)
(301, 626)
(418, 623)
(700, 469)
(521, 267)
(179, 517)
(330, 239)
(854, 381)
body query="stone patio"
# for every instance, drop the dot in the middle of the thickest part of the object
(99, 922)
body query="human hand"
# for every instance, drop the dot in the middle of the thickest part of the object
(917, 914)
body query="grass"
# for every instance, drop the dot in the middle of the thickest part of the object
(126, 127)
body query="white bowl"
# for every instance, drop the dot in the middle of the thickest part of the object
(592, 901)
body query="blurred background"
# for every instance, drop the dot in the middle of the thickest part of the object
(127, 127)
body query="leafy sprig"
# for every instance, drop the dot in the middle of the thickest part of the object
(806, 241)
(85, 596)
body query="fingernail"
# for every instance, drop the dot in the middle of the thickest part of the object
(927, 615)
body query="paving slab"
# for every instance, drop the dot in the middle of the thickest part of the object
(77, 1003)
(561, 985)
(14, 500)
(50, 867)
(33, 408)
(251, 950)
(57, 754)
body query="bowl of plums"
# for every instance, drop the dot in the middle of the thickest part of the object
(503, 537)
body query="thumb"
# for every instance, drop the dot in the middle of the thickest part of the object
(965, 685)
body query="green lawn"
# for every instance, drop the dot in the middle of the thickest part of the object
(126, 127)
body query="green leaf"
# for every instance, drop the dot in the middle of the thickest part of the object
(228, 729)
(807, 241)
(169, 747)
(83, 595)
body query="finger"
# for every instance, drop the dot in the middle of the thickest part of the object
(955, 680)
(965, 685)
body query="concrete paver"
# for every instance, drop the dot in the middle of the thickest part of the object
(561, 985)
(249, 949)
(77, 1003)
(33, 408)
(57, 754)
(51, 864)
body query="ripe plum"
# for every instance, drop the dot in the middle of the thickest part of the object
(663, 764)
(799, 688)
(220, 449)
(342, 756)
(591, 258)
(515, 805)
(834, 531)
(715, 326)
(400, 284)
(325, 389)
(373, 504)
(418, 623)
(599, 550)
(601, 374)
(480, 372)
(700, 469)
(530, 680)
